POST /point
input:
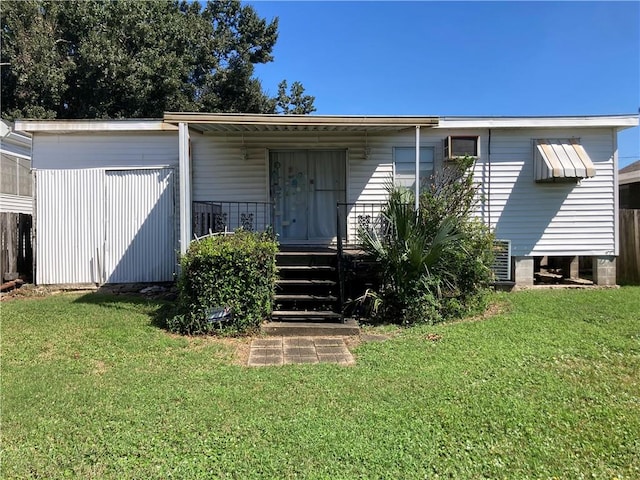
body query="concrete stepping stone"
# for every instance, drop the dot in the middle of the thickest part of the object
(298, 350)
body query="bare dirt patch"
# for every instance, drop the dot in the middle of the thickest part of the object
(28, 291)
(497, 308)
(99, 367)
(163, 291)
(237, 348)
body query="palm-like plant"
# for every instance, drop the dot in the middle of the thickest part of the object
(410, 249)
(435, 261)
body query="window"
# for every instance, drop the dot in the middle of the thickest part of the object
(15, 175)
(404, 161)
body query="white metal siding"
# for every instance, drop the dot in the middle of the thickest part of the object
(139, 226)
(16, 203)
(556, 219)
(104, 150)
(220, 171)
(69, 226)
(550, 219)
(539, 219)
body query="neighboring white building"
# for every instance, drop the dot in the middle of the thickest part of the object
(116, 200)
(15, 170)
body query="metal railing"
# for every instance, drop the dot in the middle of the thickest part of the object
(355, 217)
(220, 217)
(351, 220)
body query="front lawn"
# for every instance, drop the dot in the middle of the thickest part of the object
(549, 387)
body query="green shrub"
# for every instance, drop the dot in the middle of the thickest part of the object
(436, 260)
(236, 271)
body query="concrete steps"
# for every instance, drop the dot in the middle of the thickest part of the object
(306, 315)
(310, 329)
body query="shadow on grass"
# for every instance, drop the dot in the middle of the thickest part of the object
(161, 309)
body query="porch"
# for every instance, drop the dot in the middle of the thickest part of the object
(218, 217)
(315, 279)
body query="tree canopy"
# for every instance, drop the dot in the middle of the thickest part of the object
(127, 58)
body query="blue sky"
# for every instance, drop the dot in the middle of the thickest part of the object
(461, 58)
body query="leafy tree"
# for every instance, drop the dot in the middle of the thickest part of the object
(294, 102)
(127, 58)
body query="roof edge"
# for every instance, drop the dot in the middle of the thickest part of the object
(171, 119)
(119, 125)
(301, 120)
(620, 121)
(8, 134)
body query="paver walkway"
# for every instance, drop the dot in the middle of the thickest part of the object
(285, 350)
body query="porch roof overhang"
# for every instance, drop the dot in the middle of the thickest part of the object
(240, 122)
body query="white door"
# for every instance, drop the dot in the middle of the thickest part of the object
(306, 186)
(139, 226)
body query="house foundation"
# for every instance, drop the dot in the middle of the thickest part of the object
(573, 267)
(604, 270)
(523, 271)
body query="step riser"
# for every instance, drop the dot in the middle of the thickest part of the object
(302, 277)
(310, 329)
(304, 307)
(306, 260)
(306, 298)
(307, 275)
(306, 289)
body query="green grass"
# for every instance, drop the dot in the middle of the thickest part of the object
(550, 387)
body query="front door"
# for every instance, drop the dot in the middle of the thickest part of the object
(306, 185)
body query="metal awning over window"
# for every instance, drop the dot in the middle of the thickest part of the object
(561, 160)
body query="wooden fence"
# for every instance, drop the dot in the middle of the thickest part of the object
(628, 263)
(16, 249)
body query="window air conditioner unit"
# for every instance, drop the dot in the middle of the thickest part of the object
(458, 147)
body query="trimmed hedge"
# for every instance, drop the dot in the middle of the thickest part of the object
(236, 271)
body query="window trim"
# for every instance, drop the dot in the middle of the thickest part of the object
(448, 146)
(430, 171)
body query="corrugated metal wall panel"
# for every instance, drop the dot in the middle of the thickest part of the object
(69, 226)
(139, 226)
(94, 226)
(16, 203)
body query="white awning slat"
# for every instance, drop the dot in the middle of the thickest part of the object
(561, 160)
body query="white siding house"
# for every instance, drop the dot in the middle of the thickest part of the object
(115, 200)
(15, 170)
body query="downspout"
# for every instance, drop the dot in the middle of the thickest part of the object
(489, 179)
(616, 194)
(417, 168)
(185, 186)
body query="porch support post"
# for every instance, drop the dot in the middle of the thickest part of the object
(184, 155)
(417, 168)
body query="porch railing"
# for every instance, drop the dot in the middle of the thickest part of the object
(216, 217)
(354, 217)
